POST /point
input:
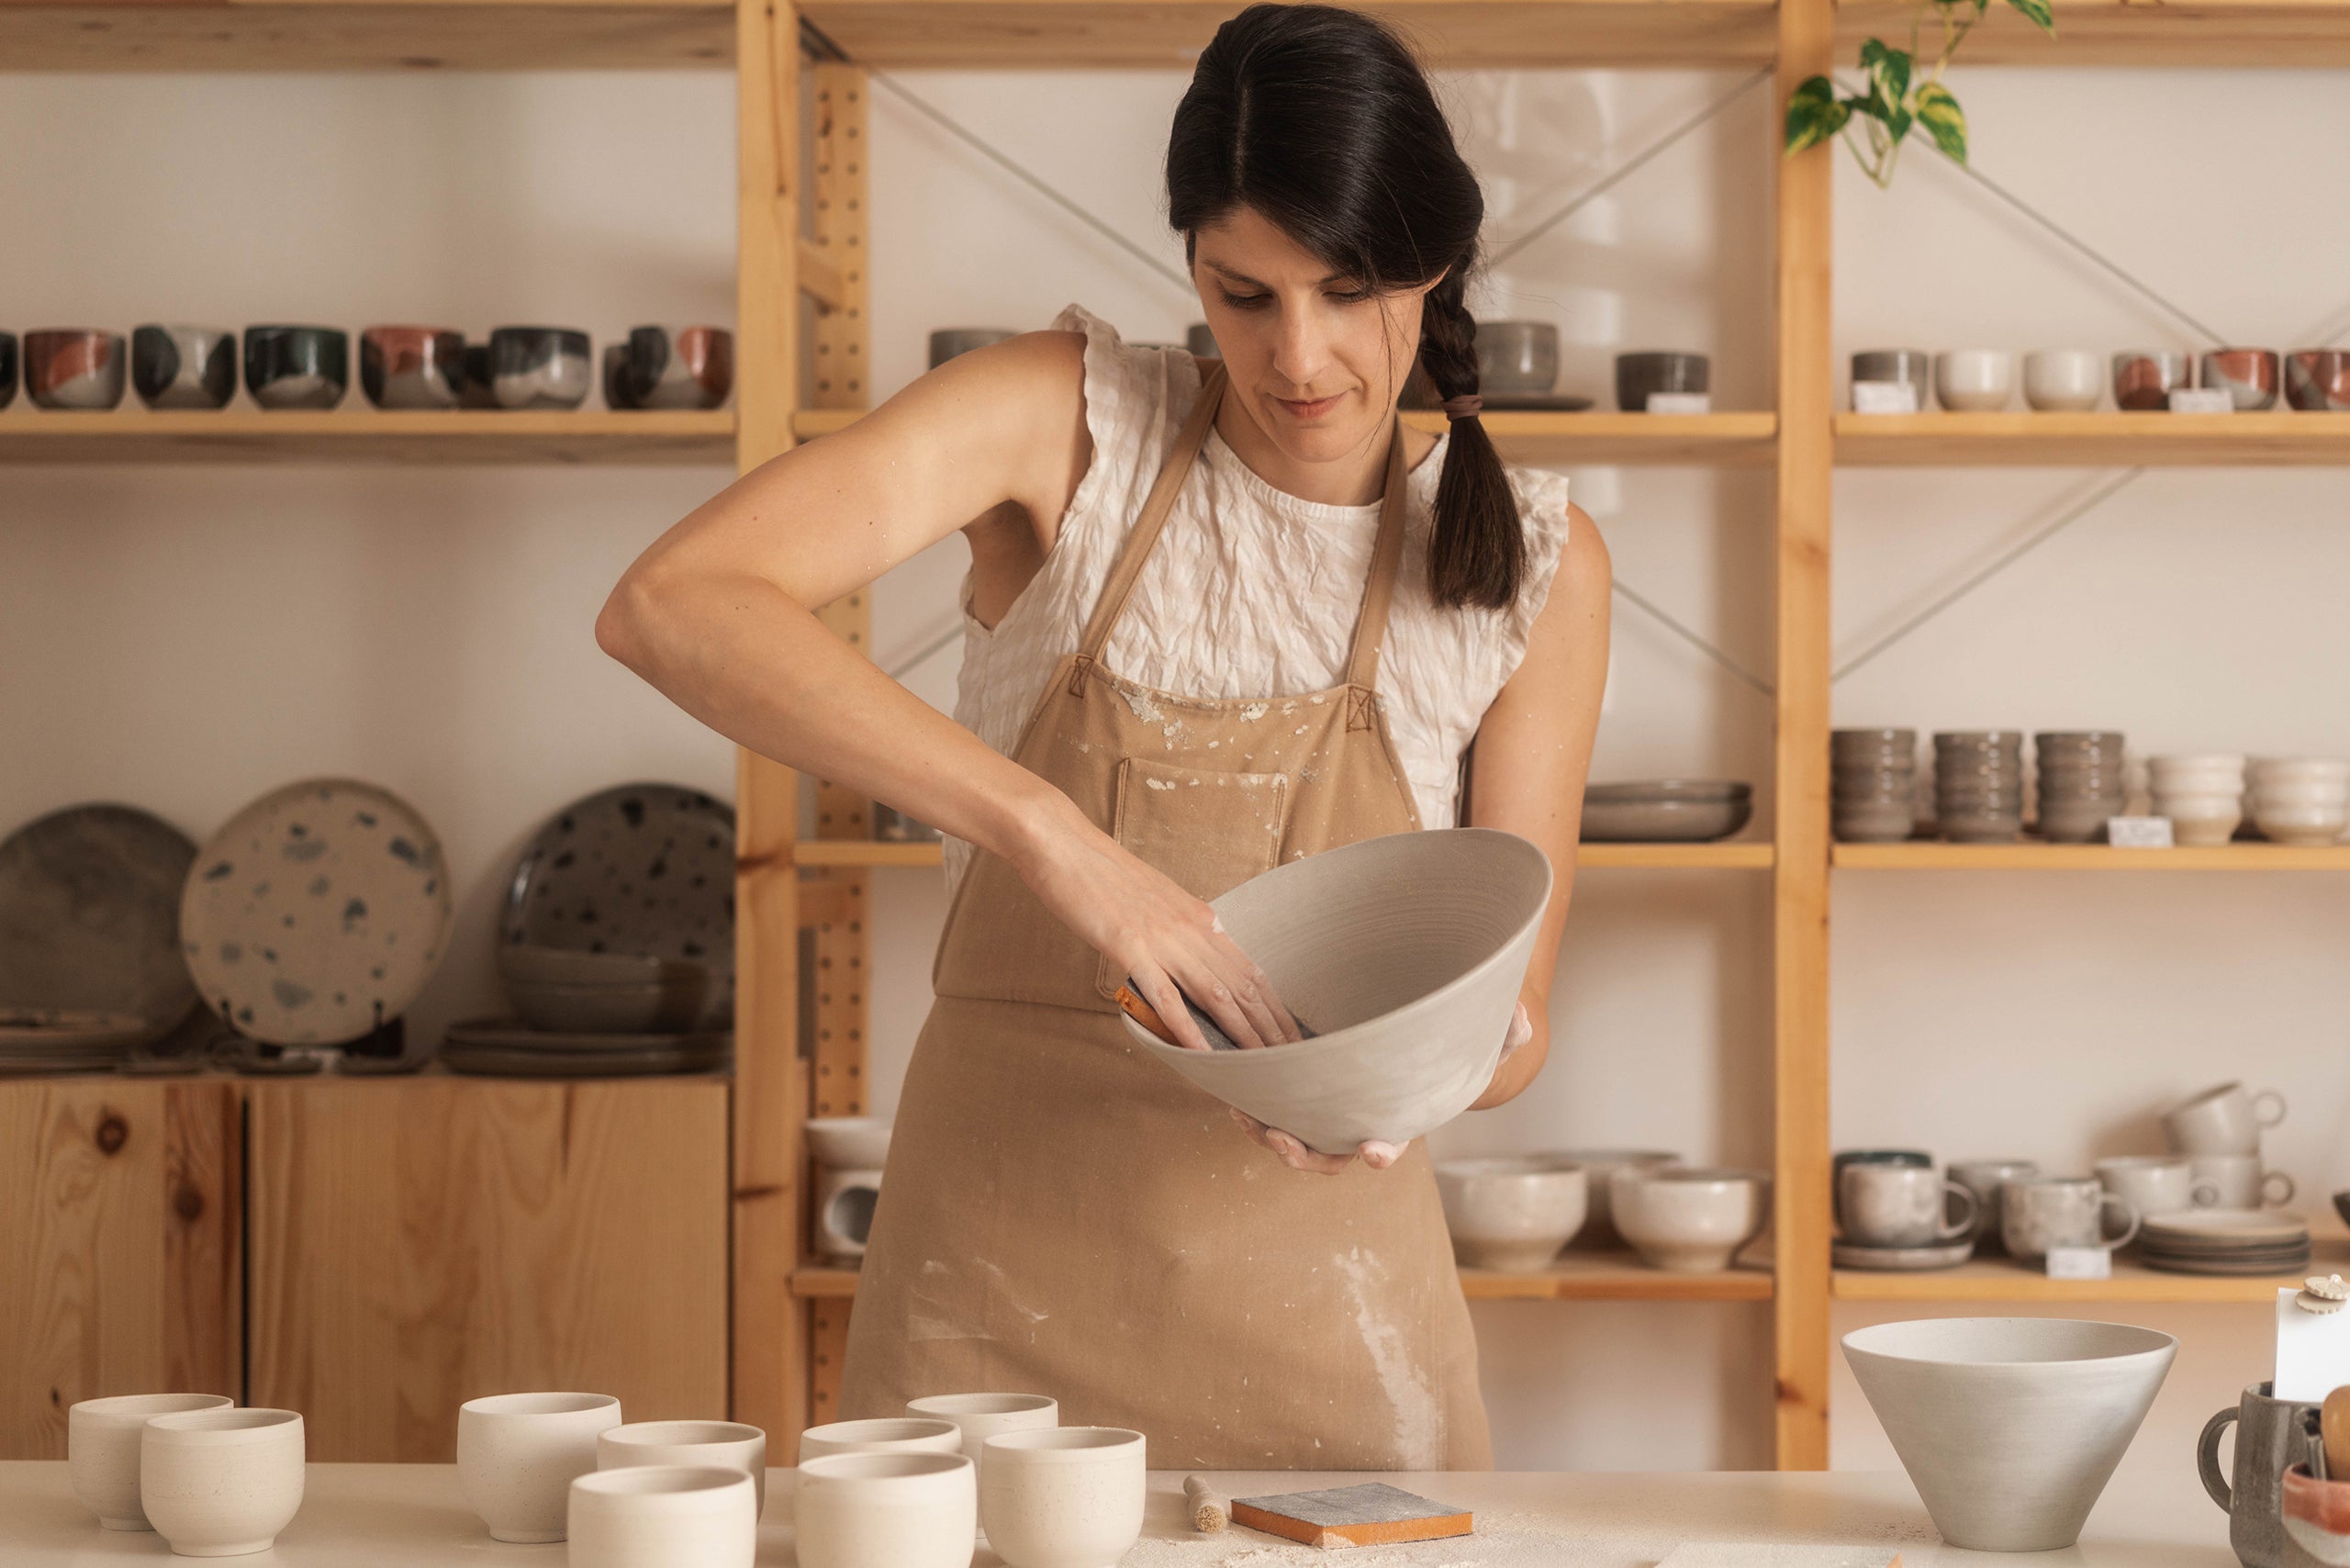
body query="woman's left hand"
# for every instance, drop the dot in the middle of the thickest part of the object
(1373, 1152)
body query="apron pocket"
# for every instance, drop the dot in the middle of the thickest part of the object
(1210, 830)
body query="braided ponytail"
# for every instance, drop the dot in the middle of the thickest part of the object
(1477, 553)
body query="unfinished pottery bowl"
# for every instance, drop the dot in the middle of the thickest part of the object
(1406, 952)
(1512, 1214)
(2009, 1427)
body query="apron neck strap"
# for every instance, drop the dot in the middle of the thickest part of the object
(1386, 559)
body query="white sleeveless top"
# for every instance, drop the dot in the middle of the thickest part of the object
(1249, 591)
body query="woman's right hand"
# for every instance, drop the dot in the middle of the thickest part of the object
(1155, 932)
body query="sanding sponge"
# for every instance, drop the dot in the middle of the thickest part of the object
(1370, 1515)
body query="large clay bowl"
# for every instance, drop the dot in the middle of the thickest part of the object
(2009, 1427)
(1406, 952)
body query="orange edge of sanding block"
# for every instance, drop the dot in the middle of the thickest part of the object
(1144, 1013)
(1368, 1514)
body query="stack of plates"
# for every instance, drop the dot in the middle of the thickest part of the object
(508, 1048)
(2225, 1241)
(50, 1041)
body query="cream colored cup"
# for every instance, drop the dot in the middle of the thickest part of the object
(1689, 1220)
(2064, 380)
(885, 1434)
(1070, 1497)
(661, 1515)
(2225, 1120)
(728, 1445)
(2037, 1212)
(102, 1438)
(2240, 1183)
(222, 1483)
(980, 1416)
(1975, 380)
(519, 1453)
(2157, 1184)
(885, 1510)
(1902, 1205)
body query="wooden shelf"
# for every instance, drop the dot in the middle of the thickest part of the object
(1596, 1276)
(1647, 857)
(2134, 32)
(2005, 1280)
(2276, 438)
(663, 437)
(1923, 857)
(861, 852)
(1722, 441)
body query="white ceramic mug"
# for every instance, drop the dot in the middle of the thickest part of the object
(726, 1445)
(102, 1439)
(222, 1483)
(845, 1204)
(885, 1510)
(1977, 380)
(1901, 1205)
(2157, 1184)
(2225, 1120)
(519, 1453)
(978, 1416)
(661, 1515)
(2037, 1212)
(883, 1434)
(1071, 1497)
(2064, 380)
(1984, 1177)
(2240, 1183)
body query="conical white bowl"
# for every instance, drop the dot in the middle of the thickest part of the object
(2009, 1427)
(1406, 952)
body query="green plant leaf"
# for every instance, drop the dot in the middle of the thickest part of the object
(2042, 17)
(1889, 69)
(1938, 112)
(1814, 114)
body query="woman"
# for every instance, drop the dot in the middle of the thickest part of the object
(1219, 615)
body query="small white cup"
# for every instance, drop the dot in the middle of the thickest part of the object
(1975, 380)
(2064, 380)
(726, 1445)
(1689, 1220)
(2200, 820)
(980, 1416)
(519, 1453)
(884, 1434)
(2224, 1120)
(1070, 1497)
(2157, 1184)
(885, 1510)
(102, 1438)
(222, 1483)
(2240, 1183)
(663, 1516)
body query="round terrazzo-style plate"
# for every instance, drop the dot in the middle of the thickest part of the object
(318, 914)
(90, 916)
(50, 1041)
(1901, 1260)
(643, 869)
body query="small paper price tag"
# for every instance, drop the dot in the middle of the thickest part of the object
(1681, 403)
(2139, 833)
(1885, 398)
(2080, 1263)
(2202, 400)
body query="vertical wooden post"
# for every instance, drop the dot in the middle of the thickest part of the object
(769, 1368)
(1799, 922)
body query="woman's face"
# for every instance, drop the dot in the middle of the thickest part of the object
(1316, 360)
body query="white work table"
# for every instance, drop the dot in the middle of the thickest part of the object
(413, 1516)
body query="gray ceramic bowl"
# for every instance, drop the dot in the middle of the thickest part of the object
(1666, 810)
(1517, 356)
(1886, 822)
(1638, 375)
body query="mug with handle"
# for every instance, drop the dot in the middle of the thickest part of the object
(2272, 1435)
(2224, 1120)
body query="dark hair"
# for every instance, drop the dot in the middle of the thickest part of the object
(1321, 121)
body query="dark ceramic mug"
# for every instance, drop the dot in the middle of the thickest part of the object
(539, 367)
(74, 367)
(473, 390)
(412, 367)
(184, 367)
(616, 392)
(297, 368)
(1638, 375)
(679, 367)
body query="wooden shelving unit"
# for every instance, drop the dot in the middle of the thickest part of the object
(1923, 857)
(2132, 32)
(359, 435)
(2271, 439)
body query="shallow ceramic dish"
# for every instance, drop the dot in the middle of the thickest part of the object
(316, 914)
(90, 915)
(1512, 1214)
(1902, 1260)
(482, 1061)
(1662, 822)
(2009, 1427)
(1534, 402)
(562, 966)
(849, 1143)
(513, 1035)
(1407, 951)
(623, 1009)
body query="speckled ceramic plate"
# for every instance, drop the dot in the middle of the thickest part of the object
(1901, 1260)
(90, 916)
(643, 869)
(318, 912)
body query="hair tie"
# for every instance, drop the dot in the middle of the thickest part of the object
(1463, 407)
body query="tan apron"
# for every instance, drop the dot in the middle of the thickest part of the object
(1063, 1216)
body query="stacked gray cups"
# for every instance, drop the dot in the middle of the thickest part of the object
(2080, 783)
(1978, 785)
(1875, 777)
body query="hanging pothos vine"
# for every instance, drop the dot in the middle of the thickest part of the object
(1898, 98)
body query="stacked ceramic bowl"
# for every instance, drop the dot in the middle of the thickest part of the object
(1666, 810)
(2080, 783)
(1876, 781)
(2300, 799)
(2201, 794)
(1978, 785)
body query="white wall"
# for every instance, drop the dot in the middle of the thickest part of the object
(186, 638)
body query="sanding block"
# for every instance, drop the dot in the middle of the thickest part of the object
(1144, 1013)
(1370, 1515)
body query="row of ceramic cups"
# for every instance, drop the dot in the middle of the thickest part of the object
(1895, 1199)
(2073, 380)
(2291, 800)
(400, 367)
(1516, 1213)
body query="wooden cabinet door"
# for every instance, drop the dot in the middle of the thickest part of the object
(419, 1242)
(119, 1266)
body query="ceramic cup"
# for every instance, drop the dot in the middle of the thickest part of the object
(1689, 1219)
(2037, 1212)
(1917, 1157)
(412, 367)
(1975, 380)
(978, 1416)
(519, 1453)
(74, 367)
(885, 1510)
(661, 1515)
(2248, 374)
(184, 367)
(949, 341)
(474, 391)
(2069, 381)
(727, 1445)
(1638, 375)
(844, 1204)
(2157, 1184)
(1200, 340)
(539, 367)
(8, 368)
(679, 367)
(297, 368)
(1914, 366)
(2272, 1435)
(2225, 1120)
(1902, 1205)
(221, 1483)
(2316, 380)
(1517, 356)
(884, 1434)
(1984, 1177)
(102, 1438)
(2199, 820)
(615, 378)
(2145, 379)
(1512, 1214)
(2237, 1181)
(1071, 1497)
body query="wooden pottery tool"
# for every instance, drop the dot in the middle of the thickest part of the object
(1144, 1013)
(2334, 1425)
(1211, 1509)
(1370, 1515)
